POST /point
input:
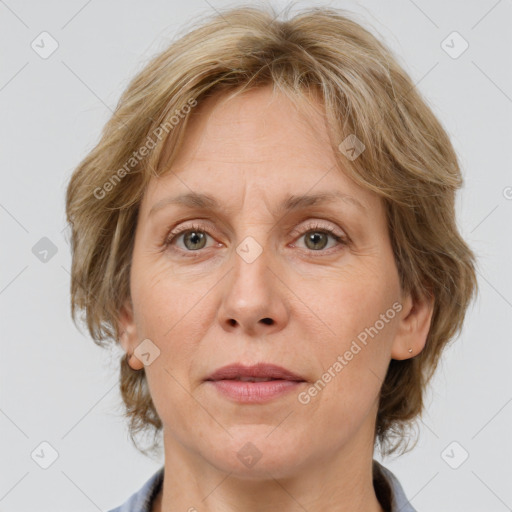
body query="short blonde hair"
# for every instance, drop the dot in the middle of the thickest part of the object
(408, 161)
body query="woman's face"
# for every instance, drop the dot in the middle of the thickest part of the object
(260, 279)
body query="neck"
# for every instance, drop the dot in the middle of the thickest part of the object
(341, 482)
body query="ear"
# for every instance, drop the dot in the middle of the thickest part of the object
(128, 337)
(413, 327)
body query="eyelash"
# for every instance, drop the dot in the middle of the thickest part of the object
(342, 240)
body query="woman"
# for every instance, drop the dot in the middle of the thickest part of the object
(267, 228)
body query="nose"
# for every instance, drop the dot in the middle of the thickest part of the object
(254, 298)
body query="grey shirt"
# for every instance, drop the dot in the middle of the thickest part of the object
(142, 500)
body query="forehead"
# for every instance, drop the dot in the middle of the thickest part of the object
(258, 140)
(256, 124)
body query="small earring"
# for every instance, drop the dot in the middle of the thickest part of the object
(410, 350)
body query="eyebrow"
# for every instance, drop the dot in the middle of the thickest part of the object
(290, 203)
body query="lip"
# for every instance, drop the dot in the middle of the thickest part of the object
(225, 381)
(260, 370)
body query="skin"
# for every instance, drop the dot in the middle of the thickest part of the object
(206, 311)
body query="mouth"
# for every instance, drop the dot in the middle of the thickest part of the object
(252, 379)
(261, 372)
(254, 384)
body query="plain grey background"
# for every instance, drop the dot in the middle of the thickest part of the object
(58, 387)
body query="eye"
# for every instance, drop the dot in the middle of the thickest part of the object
(316, 237)
(194, 237)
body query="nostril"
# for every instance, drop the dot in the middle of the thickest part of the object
(267, 321)
(232, 322)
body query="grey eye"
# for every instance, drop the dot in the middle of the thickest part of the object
(316, 240)
(196, 239)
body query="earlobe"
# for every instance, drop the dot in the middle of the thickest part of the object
(413, 328)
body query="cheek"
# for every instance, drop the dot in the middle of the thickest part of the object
(357, 307)
(175, 314)
(351, 299)
(166, 302)
(353, 369)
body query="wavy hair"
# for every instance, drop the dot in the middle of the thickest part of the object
(408, 161)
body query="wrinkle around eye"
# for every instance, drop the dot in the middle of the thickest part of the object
(352, 225)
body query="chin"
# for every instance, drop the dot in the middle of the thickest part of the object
(254, 455)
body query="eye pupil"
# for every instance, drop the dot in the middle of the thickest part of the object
(196, 237)
(314, 237)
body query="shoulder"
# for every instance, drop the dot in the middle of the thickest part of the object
(393, 491)
(142, 500)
